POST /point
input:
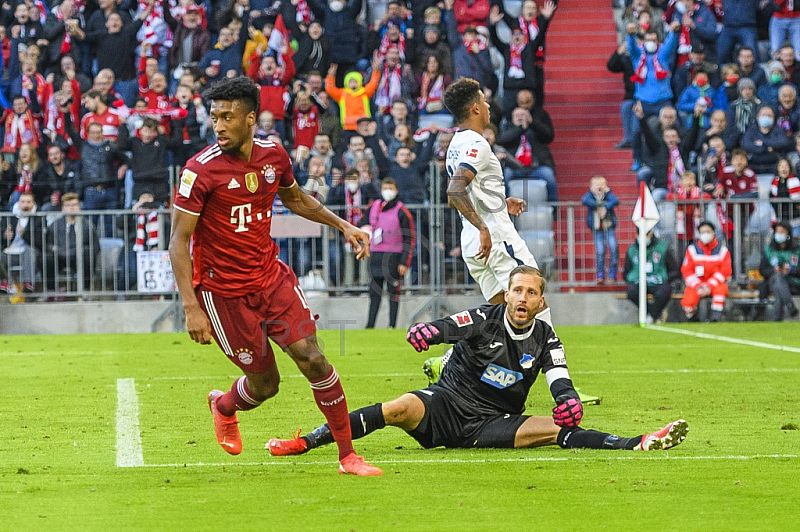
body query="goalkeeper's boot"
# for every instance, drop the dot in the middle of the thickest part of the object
(226, 428)
(296, 445)
(352, 464)
(587, 399)
(666, 438)
(432, 369)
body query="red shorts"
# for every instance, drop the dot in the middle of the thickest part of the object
(241, 325)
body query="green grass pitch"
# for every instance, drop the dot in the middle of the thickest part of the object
(737, 469)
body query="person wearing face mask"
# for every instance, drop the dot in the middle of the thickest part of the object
(661, 269)
(764, 142)
(700, 92)
(780, 267)
(391, 249)
(768, 93)
(684, 74)
(652, 67)
(706, 270)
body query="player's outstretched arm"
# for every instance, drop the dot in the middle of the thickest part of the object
(309, 208)
(197, 322)
(458, 197)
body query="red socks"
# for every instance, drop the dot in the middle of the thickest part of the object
(330, 399)
(238, 398)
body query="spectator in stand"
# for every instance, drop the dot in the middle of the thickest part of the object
(265, 127)
(391, 249)
(191, 41)
(698, 27)
(22, 242)
(315, 184)
(63, 33)
(507, 161)
(398, 115)
(28, 29)
(357, 149)
(620, 62)
(739, 27)
(700, 93)
(528, 139)
(402, 138)
(784, 26)
(661, 271)
(397, 81)
(104, 84)
(407, 170)
(367, 128)
(684, 74)
(25, 176)
(786, 186)
(141, 231)
(223, 60)
(787, 112)
(433, 45)
(737, 180)
(116, 48)
(742, 112)
(339, 19)
(305, 121)
(194, 125)
(471, 58)
(149, 162)
(348, 194)
(353, 98)
(330, 123)
(730, 77)
(98, 112)
(689, 212)
(765, 142)
(768, 93)
(30, 84)
(668, 155)
(794, 156)
(60, 173)
(322, 149)
(428, 92)
(787, 59)
(518, 56)
(749, 68)
(274, 82)
(779, 267)
(600, 203)
(706, 270)
(652, 67)
(717, 127)
(21, 126)
(96, 23)
(153, 86)
(63, 243)
(645, 16)
(313, 51)
(711, 164)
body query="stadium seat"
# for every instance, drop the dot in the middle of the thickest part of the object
(764, 183)
(535, 218)
(542, 245)
(760, 222)
(534, 191)
(107, 262)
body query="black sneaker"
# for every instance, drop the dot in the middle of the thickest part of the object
(716, 315)
(28, 288)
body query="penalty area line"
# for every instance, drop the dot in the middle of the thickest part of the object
(129, 439)
(634, 456)
(728, 339)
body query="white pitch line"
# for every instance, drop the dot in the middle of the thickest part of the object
(632, 456)
(724, 339)
(46, 353)
(129, 440)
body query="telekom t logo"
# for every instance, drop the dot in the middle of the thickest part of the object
(240, 215)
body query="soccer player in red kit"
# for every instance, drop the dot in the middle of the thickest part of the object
(234, 288)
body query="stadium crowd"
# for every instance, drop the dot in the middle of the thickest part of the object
(103, 97)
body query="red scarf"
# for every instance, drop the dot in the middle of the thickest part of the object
(468, 46)
(530, 29)
(524, 153)
(65, 44)
(430, 93)
(146, 226)
(43, 89)
(19, 130)
(676, 168)
(25, 180)
(386, 44)
(303, 12)
(352, 202)
(641, 69)
(515, 61)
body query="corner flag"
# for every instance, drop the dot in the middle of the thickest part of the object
(645, 216)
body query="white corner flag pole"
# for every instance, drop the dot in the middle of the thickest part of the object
(645, 217)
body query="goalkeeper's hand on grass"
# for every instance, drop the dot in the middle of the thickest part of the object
(420, 336)
(568, 411)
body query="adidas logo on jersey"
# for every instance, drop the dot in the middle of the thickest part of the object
(233, 184)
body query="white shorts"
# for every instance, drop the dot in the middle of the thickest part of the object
(492, 277)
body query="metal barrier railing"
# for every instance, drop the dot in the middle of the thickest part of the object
(98, 255)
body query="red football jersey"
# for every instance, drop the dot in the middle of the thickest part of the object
(306, 127)
(234, 253)
(110, 121)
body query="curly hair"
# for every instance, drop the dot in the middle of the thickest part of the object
(460, 95)
(240, 89)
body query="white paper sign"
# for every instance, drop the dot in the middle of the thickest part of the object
(154, 272)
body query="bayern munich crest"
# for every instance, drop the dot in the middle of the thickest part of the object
(269, 173)
(245, 356)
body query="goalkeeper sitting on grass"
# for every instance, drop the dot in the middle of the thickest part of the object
(479, 399)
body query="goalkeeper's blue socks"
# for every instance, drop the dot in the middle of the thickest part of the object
(578, 438)
(362, 422)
